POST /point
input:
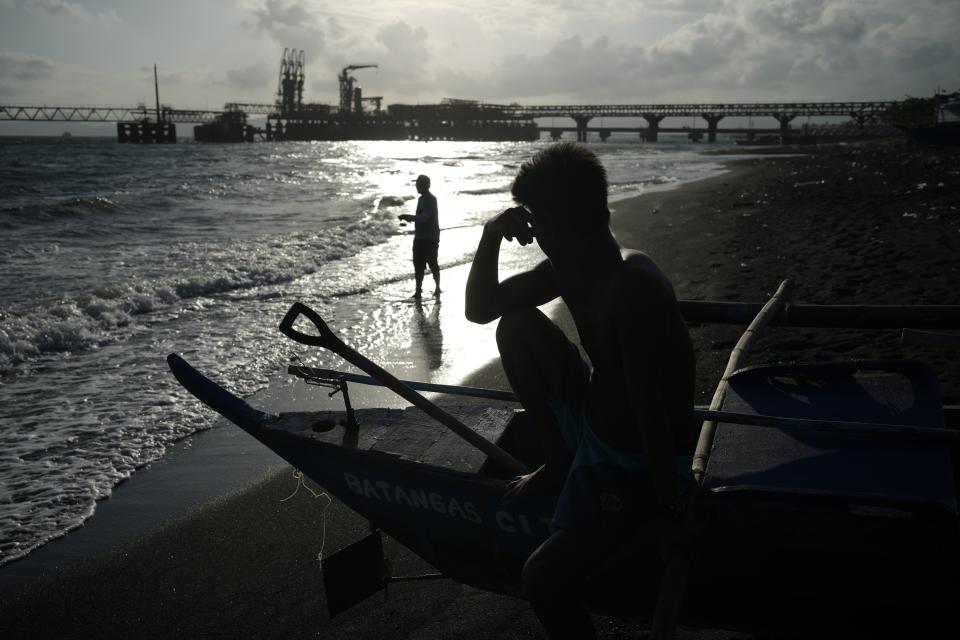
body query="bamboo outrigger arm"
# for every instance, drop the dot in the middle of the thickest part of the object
(313, 373)
(677, 569)
(911, 337)
(701, 413)
(933, 316)
(836, 426)
(762, 320)
(327, 339)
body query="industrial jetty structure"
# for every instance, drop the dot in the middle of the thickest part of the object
(359, 117)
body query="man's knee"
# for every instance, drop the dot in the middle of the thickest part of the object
(550, 571)
(536, 582)
(522, 327)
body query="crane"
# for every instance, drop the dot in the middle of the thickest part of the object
(351, 100)
(290, 84)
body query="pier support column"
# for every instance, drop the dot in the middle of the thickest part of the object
(582, 127)
(784, 119)
(653, 126)
(712, 121)
(143, 131)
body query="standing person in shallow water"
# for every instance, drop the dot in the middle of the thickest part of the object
(426, 236)
(616, 437)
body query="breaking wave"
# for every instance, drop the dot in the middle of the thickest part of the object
(93, 317)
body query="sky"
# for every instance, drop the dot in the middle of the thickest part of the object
(209, 52)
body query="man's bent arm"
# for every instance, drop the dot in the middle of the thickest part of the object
(487, 298)
(481, 293)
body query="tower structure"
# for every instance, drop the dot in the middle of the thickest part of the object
(290, 83)
(351, 96)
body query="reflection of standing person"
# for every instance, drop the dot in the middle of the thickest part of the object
(429, 333)
(426, 236)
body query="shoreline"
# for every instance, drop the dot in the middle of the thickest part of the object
(245, 561)
(131, 510)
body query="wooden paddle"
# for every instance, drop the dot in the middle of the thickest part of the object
(327, 339)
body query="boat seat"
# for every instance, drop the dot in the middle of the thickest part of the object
(859, 522)
(408, 433)
(827, 468)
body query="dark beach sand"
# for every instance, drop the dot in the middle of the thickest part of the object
(849, 224)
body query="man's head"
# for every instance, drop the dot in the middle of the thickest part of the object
(423, 184)
(567, 184)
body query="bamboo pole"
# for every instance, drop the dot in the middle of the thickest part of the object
(917, 432)
(773, 307)
(700, 412)
(912, 337)
(677, 569)
(827, 315)
(308, 373)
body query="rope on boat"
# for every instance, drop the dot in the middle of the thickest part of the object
(298, 475)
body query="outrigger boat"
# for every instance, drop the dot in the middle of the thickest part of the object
(826, 500)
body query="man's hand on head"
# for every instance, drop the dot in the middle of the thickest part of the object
(514, 223)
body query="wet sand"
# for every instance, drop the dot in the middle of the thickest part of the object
(848, 224)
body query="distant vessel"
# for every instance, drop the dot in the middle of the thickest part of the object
(231, 126)
(944, 132)
(66, 134)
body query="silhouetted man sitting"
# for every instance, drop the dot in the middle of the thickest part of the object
(610, 432)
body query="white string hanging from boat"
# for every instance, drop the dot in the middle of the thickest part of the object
(298, 475)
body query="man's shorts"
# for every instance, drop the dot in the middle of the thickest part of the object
(424, 253)
(608, 494)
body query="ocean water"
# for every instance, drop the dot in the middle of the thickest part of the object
(112, 256)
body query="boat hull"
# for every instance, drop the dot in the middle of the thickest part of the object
(945, 134)
(807, 562)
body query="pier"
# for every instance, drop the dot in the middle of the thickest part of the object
(862, 113)
(359, 117)
(476, 120)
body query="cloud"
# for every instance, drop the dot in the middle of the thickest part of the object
(24, 67)
(68, 9)
(406, 56)
(293, 24)
(910, 46)
(571, 67)
(255, 76)
(618, 50)
(701, 46)
(181, 77)
(738, 49)
(682, 6)
(55, 7)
